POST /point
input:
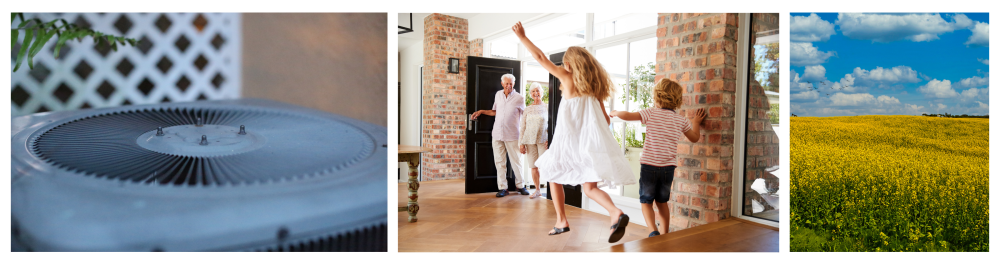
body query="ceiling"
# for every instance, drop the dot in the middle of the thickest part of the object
(480, 24)
(405, 40)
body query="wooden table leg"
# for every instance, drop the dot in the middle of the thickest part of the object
(413, 160)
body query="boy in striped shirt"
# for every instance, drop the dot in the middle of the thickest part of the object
(664, 128)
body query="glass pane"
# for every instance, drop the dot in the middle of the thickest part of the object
(760, 186)
(610, 24)
(615, 60)
(642, 58)
(558, 33)
(532, 72)
(504, 48)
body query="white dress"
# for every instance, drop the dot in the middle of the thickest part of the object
(583, 148)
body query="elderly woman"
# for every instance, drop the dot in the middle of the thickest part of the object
(534, 133)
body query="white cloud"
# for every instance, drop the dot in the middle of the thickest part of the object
(803, 53)
(975, 81)
(913, 109)
(938, 89)
(940, 106)
(814, 73)
(894, 27)
(841, 99)
(887, 99)
(806, 95)
(797, 84)
(847, 84)
(884, 77)
(983, 105)
(984, 61)
(811, 28)
(971, 93)
(980, 35)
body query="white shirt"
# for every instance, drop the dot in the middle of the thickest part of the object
(509, 109)
(535, 124)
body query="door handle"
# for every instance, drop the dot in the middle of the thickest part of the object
(468, 123)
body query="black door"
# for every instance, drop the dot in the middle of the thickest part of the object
(574, 194)
(483, 84)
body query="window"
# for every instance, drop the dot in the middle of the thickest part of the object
(630, 66)
(760, 187)
(504, 48)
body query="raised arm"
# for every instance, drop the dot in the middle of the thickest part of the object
(537, 53)
(695, 133)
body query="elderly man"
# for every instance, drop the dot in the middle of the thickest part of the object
(507, 108)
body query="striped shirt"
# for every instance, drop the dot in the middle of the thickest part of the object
(664, 128)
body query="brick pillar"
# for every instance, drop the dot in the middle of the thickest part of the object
(444, 97)
(762, 141)
(699, 52)
(477, 48)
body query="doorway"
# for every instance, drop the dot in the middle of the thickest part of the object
(483, 83)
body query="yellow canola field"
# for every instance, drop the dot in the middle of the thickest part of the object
(890, 183)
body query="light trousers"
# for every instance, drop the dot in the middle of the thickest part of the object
(501, 151)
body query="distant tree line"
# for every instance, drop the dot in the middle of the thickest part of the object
(948, 115)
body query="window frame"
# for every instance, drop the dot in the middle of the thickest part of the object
(739, 141)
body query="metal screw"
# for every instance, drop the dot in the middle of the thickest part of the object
(243, 130)
(204, 140)
(159, 131)
(198, 122)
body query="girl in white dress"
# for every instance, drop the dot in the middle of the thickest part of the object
(583, 149)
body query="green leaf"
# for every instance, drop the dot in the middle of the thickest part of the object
(28, 34)
(13, 37)
(42, 38)
(23, 24)
(12, 17)
(59, 43)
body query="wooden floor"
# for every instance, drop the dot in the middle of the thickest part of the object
(450, 220)
(730, 235)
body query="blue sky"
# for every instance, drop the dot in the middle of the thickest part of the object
(889, 64)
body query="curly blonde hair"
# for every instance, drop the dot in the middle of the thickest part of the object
(668, 94)
(589, 77)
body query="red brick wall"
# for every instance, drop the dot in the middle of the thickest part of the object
(699, 52)
(762, 141)
(444, 97)
(477, 48)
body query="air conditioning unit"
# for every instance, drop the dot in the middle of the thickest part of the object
(237, 175)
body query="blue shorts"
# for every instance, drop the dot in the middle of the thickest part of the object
(654, 183)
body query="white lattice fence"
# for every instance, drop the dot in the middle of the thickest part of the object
(179, 57)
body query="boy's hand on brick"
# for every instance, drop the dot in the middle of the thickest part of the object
(699, 116)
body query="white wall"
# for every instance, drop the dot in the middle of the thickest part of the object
(410, 60)
(488, 23)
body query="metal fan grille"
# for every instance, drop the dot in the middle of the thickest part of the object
(298, 146)
(368, 239)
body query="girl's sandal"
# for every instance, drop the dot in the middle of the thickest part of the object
(559, 230)
(619, 229)
(535, 195)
